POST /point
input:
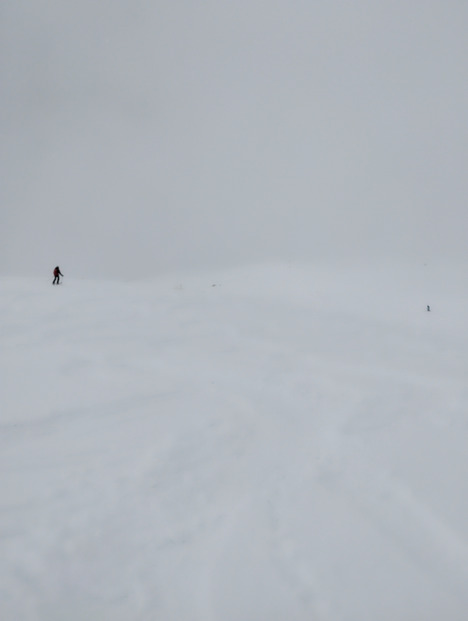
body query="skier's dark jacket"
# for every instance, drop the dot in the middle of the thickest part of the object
(57, 272)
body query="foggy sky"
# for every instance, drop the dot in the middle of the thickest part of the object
(147, 136)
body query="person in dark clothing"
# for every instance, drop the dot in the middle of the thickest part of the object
(57, 274)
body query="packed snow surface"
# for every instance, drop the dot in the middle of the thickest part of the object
(270, 443)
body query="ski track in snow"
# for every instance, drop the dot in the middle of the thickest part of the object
(245, 451)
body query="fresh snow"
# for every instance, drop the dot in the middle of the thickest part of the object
(271, 443)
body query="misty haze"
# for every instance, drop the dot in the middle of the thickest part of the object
(144, 137)
(245, 396)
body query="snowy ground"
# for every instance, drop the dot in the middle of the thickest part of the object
(268, 444)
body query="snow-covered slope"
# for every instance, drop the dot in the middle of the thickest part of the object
(269, 443)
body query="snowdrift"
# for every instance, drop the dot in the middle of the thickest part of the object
(268, 443)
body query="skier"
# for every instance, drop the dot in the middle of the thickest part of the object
(57, 274)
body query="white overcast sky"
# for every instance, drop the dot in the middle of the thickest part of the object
(146, 136)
